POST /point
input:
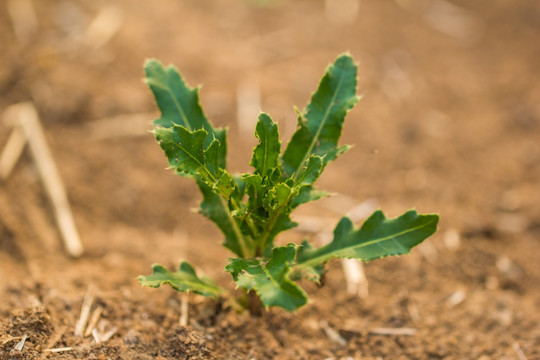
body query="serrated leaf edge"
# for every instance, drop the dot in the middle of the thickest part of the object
(321, 259)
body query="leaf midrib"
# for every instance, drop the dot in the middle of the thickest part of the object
(321, 258)
(319, 130)
(184, 150)
(274, 281)
(192, 284)
(164, 86)
(239, 236)
(266, 145)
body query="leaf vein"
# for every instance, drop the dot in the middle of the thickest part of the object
(184, 150)
(174, 99)
(318, 259)
(319, 130)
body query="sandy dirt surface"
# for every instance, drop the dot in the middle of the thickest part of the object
(449, 123)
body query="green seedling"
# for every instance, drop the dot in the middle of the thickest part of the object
(252, 209)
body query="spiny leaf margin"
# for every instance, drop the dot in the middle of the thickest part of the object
(179, 104)
(378, 237)
(270, 278)
(320, 124)
(185, 279)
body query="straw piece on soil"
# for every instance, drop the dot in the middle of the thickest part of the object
(12, 151)
(337, 202)
(96, 336)
(20, 344)
(57, 350)
(363, 210)
(23, 17)
(109, 334)
(55, 337)
(85, 311)
(104, 26)
(125, 125)
(355, 277)
(412, 309)
(519, 353)
(451, 239)
(311, 224)
(34, 301)
(11, 338)
(353, 269)
(29, 121)
(196, 325)
(248, 106)
(100, 335)
(393, 331)
(508, 268)
(325, 237)
(93, 320)
(456, 298)
(183, 321)
(332, 334)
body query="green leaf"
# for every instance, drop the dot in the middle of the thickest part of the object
(216, 209)
(183, 148)
(282, 223)
(239, 188)
(307, 194)
(179, 104)
(266, 153)
(253, 183)
(311, 172)
(277, 186)
(270, 279)
(312, 273)
(211, 158)
(378, 237)
(278, 196)
(183, 280)
(225, 185)
(320, 124)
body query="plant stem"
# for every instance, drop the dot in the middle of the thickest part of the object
(255, 306)
(261, 245)
(244, 246)
(249, 221)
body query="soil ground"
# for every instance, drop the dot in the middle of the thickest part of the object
(449, 123)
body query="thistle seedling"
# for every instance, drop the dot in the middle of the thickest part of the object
(252, 209)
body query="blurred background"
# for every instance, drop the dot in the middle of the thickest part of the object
(449, 121)
(449, 118)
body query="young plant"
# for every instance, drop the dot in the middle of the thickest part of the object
(253, 208)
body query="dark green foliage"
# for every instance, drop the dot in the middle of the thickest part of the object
(252, 209)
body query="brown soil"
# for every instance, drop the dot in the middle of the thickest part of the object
(449, 123)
